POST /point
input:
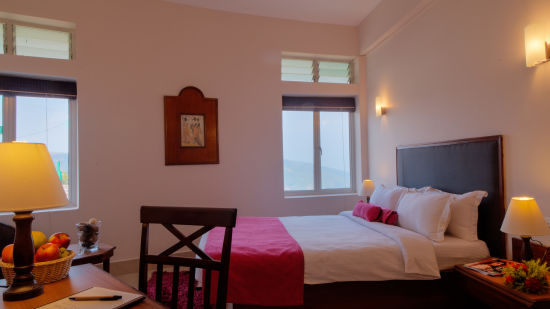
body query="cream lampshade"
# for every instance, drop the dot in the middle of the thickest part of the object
(524, 218)
(366, 188)
(28, 181)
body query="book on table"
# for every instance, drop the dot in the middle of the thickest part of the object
(490, 267)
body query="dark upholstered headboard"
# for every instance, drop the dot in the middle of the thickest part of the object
(458, 167)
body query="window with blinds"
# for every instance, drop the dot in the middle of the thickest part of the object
(43, 111)
(297, 70)
(39, 42)
(334, 72)
(2, 38)
(312, 70)
(318, 145)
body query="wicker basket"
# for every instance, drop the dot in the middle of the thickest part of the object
(44, 272)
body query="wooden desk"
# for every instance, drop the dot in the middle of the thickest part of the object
(102, 255)
(80, 278)
(493, 292)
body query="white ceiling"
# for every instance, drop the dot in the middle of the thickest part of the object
(338, 12)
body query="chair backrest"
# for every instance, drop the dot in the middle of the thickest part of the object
(207, 218)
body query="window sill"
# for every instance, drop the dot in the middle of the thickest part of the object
(64, 208)
(319, 195)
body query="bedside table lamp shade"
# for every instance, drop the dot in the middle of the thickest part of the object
(28, 181)
(524, 218)
(367, 187)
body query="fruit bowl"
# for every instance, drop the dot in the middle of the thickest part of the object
(44, 272)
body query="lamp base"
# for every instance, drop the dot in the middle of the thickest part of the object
(527, 252)
(21, 292)
(23, 286)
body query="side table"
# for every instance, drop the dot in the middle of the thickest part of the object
(102, 255)
(493, 292)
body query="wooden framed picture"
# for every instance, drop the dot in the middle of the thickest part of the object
(190, 128)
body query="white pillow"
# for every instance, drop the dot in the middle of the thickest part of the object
(423, 189)
(464, 213)
(387, 197)
(426, 213)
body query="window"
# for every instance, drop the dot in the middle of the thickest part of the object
(35, 41)
(45, 43)
(317, 145)
(334, 72)
(312, 70)
(42, 111)
(1, 119)
(297, 70)
(2, 38)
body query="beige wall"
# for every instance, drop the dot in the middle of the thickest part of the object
(457, 70)
(129, 54)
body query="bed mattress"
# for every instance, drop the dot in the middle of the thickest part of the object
(340, 248)
(453, 251)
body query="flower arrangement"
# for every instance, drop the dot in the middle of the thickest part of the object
(529, 276)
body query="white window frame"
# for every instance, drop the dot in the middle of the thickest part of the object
(9, 37)
(315, 73)
(9, 116)
(317, 153)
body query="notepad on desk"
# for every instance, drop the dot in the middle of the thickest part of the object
(67, 303)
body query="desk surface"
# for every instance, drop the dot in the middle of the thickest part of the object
(80, 278)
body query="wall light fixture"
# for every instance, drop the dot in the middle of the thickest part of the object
(380, 107)
(537, 38)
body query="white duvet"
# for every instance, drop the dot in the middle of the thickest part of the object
(346, 248)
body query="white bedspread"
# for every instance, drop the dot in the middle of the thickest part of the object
(346, 248)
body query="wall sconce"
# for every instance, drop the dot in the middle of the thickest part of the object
(537, 38)
(380, 107)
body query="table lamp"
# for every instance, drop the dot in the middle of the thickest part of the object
(523, 217)
(28, 181)
(366, 189)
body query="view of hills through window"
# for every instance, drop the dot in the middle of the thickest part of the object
(298, 150)
(46, 120)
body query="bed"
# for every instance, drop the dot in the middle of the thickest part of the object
(454, 166)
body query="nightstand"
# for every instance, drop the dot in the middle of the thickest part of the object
(493, 292)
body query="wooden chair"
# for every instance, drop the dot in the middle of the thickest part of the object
(208, 218)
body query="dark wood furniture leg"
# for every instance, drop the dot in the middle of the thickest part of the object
(107, 265)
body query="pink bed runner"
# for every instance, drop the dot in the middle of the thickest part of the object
(266, 266)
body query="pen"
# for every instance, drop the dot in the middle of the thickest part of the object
(103, 297)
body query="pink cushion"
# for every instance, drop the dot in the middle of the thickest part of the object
(389, 216)
(367, 211)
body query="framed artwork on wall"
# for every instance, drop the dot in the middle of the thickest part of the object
(190, 128)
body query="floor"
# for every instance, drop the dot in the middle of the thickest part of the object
(129, 278)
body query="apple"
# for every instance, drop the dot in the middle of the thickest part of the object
(7, 254)
(47, 252)
(62, 239)
(38, 239)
